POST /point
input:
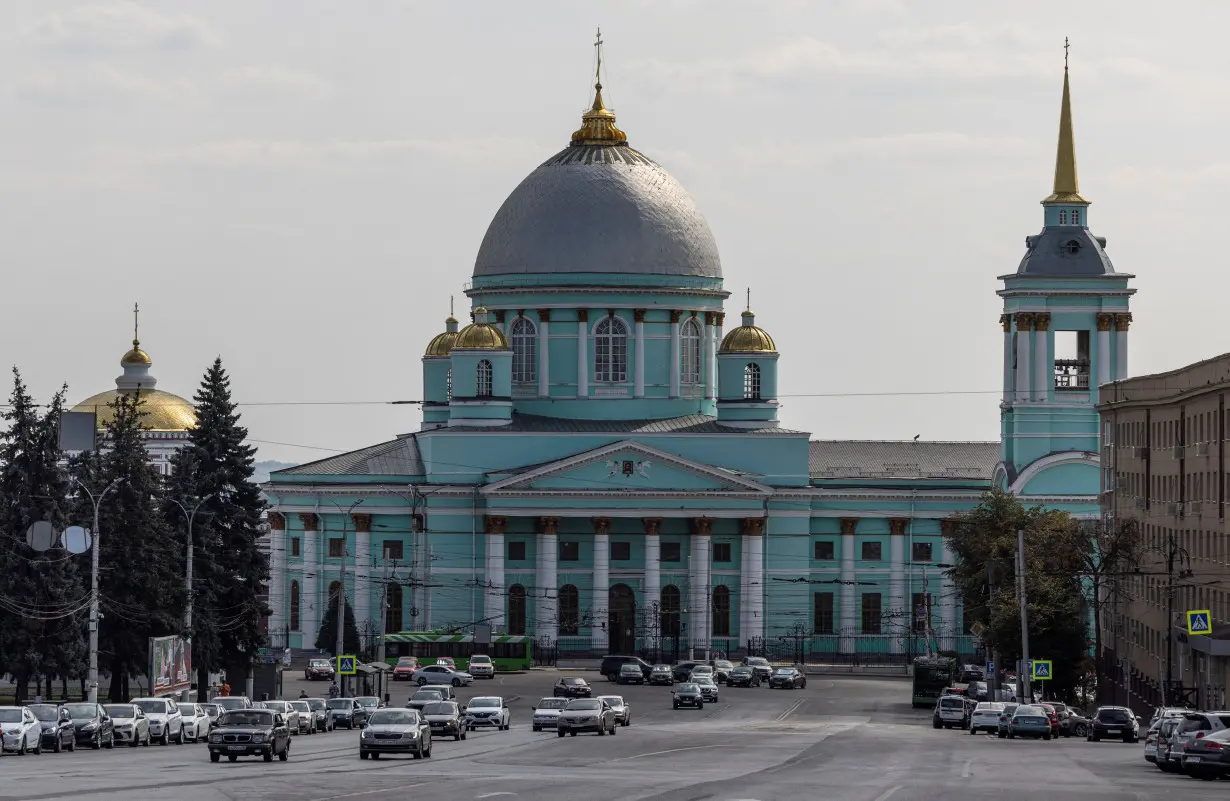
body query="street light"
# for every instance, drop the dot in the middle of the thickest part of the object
(92, 690)
(341, 589)
(191, 518)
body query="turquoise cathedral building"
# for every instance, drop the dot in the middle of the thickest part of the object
(600, 464)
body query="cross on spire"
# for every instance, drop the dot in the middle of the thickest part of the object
(749, 298)
(1065, 54)
(598, 66)
(136, 324)
(450, 305)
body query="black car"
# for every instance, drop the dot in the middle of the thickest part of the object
(687, 694)
(93, 725)
(611, 666)
(430, 695)
(760, 666)
(572, 687)
(59, 734)
(250, 732)
(683, 670)
(743, 676)
(346, 712)
(787, 679)
(322, 718)
(1116, 723)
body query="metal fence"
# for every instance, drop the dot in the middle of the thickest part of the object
(859, 649)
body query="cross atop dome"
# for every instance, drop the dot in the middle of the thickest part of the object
(598, 124)
(136, 355)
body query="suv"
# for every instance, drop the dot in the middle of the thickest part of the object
(683, 670)
(760, 666)
(1118, 722)
(630, 673)
(613, 665)
(950, 711)
(166, 724)
(481, 667)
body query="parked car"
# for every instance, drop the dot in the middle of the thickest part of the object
(952, 710)
(392, 731)
(612, 666)
(405, 667)
(319, 670)
(623, 710)
(586, 715)
(447, 661)
(250, 732)
(760, 665)
(230, 703)
(722, 669)
(1005, 717)
(57, 732)
(290, 715)
(1208, 757)
(480, 666)
(370, 704)
(303, 716)
(683, 670)
(488, 710)
(20, 730)
(212, 711)
(130, 724)
(687, 694)
(699, 671)
(1193, 726)
(442, 674)
(1053, 716)
(1029, 721)
(985, 717)
(572, 687)
(165, 723)
(661, 674)
(1114, 722)
(94, 727)
(1165, 733)
(787, 679)
(322, 719)
(631, 674)
(195, 722)
(346, 712)
(547, 711)
(445, 719)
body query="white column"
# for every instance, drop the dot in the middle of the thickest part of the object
(1121, 345)
(1104, 357)
(362, 571)
(847, 618)
(544, 354)
(897, 625)
(675, 355)
(310, 609)
(547, 624)
(583, 354)
(638, 374)
(279, 599)
(1043, 375)
(602, 584)
(753, 578)
(494, 600)
(1006, 321)
(745, 589)
(653, 566)
(702, 616)
(948, 603)
(710, 358)
(1023, 363)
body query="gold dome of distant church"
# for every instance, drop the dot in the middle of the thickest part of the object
(161, 411)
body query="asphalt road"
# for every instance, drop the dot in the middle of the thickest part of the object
(845, 739)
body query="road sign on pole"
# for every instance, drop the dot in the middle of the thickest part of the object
(1199, 621)
(990, 670)
(346, 665)
(1041, 670)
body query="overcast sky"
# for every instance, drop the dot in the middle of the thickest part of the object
(298, 186)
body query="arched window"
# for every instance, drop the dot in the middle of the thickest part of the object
(569, 609)
(611, 350)
(448, 384)
(524, 338)
(1076, 217)
(483, 387)
(751, 381)
(689, 357)
(392, 608)
(1063, 217)
(294, 606)
(670, 610)
(721, 611)
(516, 609)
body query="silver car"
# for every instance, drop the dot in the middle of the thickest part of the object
(441, 674)
(195, 722)
(20, 731)
(321, 719)
(395, 731)
(586, 714)
(546, 713)
(445, 719)
(131, 725)
(165, 723)
(307, 722)
(623, 710)
(290, 715)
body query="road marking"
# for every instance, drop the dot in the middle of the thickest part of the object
(887, 794)
(493, 795)
(965, 770)
(367, 792)
(668, 751)
(793, 708)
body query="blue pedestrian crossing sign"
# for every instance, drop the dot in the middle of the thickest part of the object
(1199, 622)
(1041, 669)
(346, 665)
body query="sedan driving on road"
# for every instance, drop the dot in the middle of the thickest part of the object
(661, 674)
(1029, 721)
(586, 714)
(346, 712)
(787, 679)
(305, 717)
(195, 722)
(405, 667)
(442, 674)
(445, 719)
(623, 710)
(572, 687)
(322, 719)
(429, 695)
(480, 666)
(986, 717)
(318, 670)
(742, 676)
(708, 688)
(250, 732)
(761, 667)
(486, 711)
(547, 711)
(687, 694)
(1114, 722)
(393, 731)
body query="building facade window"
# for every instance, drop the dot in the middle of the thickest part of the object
(524, 340)
(392, 608)
(448, 384)
(721, 552)
(1076, 217)
(483, 387)
(294, 606)
(294, 546)
(823, 550)
(611, 350)
(393, 549)
(822, 615)
(873, 613)
(569, 609)
(670, 552)
(751, 381)
(1063, 217)
(670, 610)
(621, 551)
(516, 551)
(337, 547)
(689, 357)
(872, 552)
(569, 551)
(516, 609)
(921, 552)
(721, 611)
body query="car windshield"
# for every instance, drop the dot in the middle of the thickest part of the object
(689, 688)
(1113, 716)
(552, 703)
(276, 706)
(988, 707)
(340, 703)
(394, 717)
(1193, 723)
(81, 711)
(480, 660)
(121, 710)
(785, 671)
(630, 668)
(485, 703)
(612, 700)
(742, 669)
(427, 695)
(10, 716)
(213, 710)
(406, 661)
(759, 661)
(1029, 711)
(367, 701)
(246, 717)
(149, 707)
(702, 669)
(722, 664)
(229, 703)
(706, 681)
(187, 709)
(952, 702)
(574, 682)
(585, 703)
(300, 706)
(317, 704)
(44, 711)
(440, 708)
(321, 663)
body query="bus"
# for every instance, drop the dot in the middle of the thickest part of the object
(507, 651)
(932, 676)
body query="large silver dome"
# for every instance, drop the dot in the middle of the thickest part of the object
(599, 208)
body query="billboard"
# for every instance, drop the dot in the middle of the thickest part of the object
(170, 665)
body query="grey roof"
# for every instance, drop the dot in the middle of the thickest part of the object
(687, 424)
(399, 457)
(599, 209)
(1065, 250)
(903, 459)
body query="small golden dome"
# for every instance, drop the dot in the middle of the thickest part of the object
(136, 355)
(748, 338)
(443, 343)
(598, 124)
(162, 411)
(481, 336)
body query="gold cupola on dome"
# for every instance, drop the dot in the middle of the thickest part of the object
(748, 338)
(598, 124)
(481, 334)
(441, 344)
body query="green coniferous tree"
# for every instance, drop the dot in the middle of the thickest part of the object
(326, 637)
(218, 464)
(41, 627)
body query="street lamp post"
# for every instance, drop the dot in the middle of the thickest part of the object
(191, 517)
(340, 643)
(95, 501)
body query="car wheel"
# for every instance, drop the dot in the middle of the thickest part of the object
(146, 743)
(350, 725)
(627, 721)
(973, 731)
(1080, 730)
(536, 728)
(214, 756)
(456, 682)
(96, 743)
(1046, 737)
(232, 758)
(179, 738)
(268, 755)
(363, 755)
(614, 728)
(572, 734)
(38, 745)
(676, 706)
(429, 750)
(59, 746)
(422, 681)
(166, 737)
(560, 733)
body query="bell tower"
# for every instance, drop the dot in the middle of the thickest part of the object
(1065, 321)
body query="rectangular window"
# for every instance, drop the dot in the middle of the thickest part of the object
(872, 552)
(823, 621)
(393, 549)
(621, 551)
(569, 551)
(516, 551)
(294, 546)
(337, 547)
(823, 550)
(670, 552)
(922, 552)
(873, 615)
(921, 607)
(721, 552)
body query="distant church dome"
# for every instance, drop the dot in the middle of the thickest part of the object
(442, 344)
(481, 335)
(748, 338)
(598, 206)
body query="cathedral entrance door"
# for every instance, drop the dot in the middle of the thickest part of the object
(621, 628)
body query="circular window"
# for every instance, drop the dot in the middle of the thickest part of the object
(1071, 247)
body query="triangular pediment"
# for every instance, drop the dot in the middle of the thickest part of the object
(627, 466)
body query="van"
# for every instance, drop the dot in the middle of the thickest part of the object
(950, 711)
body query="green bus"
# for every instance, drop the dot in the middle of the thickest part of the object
(507, 651)
(932, 675)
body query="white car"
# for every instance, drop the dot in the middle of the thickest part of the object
(441, 674)
(289, 714)
(985, 717)
(20, 731)
(487, 710)
(165, 723)
(195, 721)
(546, 713)
(481, 667)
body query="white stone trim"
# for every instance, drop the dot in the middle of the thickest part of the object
(1051, 460)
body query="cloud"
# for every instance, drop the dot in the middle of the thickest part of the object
(101, 85)
(915, 147)
(119, 26)
(265, 81)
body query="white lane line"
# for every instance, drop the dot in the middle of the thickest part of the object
(965, 770)
(493, 795)
(668, 751)
(793, 708)
(369, 792)
(887, 794)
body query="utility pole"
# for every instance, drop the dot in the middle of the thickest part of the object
(1169, 696)
(341, 593)
(92, 682)
(927, 611)
(191, 516)
(993, 679)
(1022, 681)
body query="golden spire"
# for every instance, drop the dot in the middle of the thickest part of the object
(1067, 188)
(598, 124)
(136, 355)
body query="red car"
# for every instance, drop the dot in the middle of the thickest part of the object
(405, 667)
(318, 669)
(1053, 717)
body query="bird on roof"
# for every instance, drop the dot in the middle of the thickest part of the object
(916, 436)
